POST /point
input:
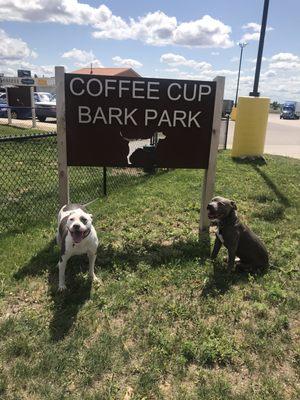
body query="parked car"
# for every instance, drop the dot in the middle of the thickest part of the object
(38, 96)
(45, 109)
(42, 96)
(16, 112)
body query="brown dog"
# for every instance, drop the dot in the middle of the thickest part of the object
(238, 239)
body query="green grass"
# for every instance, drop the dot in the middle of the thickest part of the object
(7, 130)
(166, 322)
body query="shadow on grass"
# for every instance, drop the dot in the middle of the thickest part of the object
(272, 185)
(273, 212)
(255, 164)
(153, 254)
(221, 280)
(66, 305)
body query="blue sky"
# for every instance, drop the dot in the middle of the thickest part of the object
(168, 39)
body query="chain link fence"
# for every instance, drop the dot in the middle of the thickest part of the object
(29, 178)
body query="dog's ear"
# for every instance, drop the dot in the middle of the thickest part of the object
(233, 205)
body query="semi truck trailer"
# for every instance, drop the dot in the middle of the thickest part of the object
(290, 110)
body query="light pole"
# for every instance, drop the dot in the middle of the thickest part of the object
(242, 45)
(255, 91)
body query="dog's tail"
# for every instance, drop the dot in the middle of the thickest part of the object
(128, 140)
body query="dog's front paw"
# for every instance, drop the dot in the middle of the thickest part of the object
(62, 288)
(94, 278)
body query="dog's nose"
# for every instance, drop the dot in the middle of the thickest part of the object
(76, 226)
(210, 207)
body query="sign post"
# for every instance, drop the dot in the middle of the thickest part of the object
(138, 122)
(210, 172)
(63, 176)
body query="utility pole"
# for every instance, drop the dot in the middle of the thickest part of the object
(255, 92)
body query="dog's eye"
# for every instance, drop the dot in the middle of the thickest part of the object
(83, 220)
(72, 219)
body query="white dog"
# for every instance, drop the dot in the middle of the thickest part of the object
(75, 235)
(134, 144)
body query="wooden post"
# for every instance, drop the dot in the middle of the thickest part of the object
(61, 136)
(104, 183)
(210, 173)
(32, 107)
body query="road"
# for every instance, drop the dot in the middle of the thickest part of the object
(283, 136)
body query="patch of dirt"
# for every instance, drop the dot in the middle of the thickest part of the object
(165, 388)
(19, 301)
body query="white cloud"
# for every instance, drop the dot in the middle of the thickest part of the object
(126, 62)
(276, 83)
(60, 11)
(82, 58)
(39, 70)
(10, 68)
(254, 33)
(269, 74)
(247, 37)
(285, 65)
(158, 29)
(14, 48)
(285, 57)
(285, 61)
(15, 54)
(204, 32)
(175, 60)
(171, 69)
(253, 26)
(154, 28)
(200, 70)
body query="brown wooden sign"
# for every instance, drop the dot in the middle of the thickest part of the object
(120, 121)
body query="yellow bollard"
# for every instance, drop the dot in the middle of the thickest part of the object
(233, 113)
(250, 126)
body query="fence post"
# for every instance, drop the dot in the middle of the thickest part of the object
(104, 182)
(8, 107)
(210, 173)
(32, 107)
(63, 176)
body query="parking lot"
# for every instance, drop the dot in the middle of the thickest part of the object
(283, 136)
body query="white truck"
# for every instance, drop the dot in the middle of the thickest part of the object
(290, 110)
